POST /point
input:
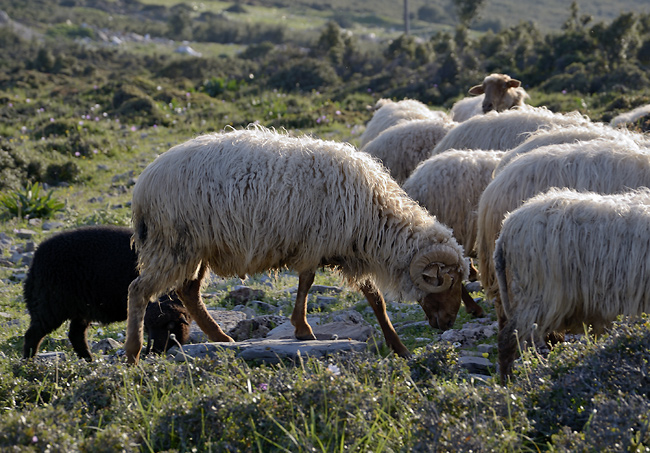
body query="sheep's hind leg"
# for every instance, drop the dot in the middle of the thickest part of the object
(77, 336)
(299, 315)
(190, 295)
(378, 304)
(507, 342)
(141, 290)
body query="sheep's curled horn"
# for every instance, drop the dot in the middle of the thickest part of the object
(429, 263)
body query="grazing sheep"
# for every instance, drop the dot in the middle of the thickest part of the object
(165, 317)
(449, 186)
(602, 166)
(82, 275)
(557, 135)
(622, 119)
(403, 146)
(389, 113)
(565, 258)
(251, 200)
(497, 92)
(505, 130)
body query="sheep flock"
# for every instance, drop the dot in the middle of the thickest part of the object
(552, 206)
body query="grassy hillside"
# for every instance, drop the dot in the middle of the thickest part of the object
(87, 101)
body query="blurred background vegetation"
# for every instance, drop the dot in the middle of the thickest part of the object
(76, 73)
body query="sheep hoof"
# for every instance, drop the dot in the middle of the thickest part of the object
(306, 337)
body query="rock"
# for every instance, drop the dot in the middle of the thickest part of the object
(476, 365)
(263, 306)
(473, 287)
(50, 356)
(227, 320)
(485, 348)
(357, 329)
(244, 294)
(105, 346)
(269, 351)
(470, 333)
(249, 312)
(257, 327)
(322, 303)
(47, 226)
(325, 289)
(24, 233)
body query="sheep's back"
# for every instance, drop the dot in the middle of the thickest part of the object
(251, 200)
(82, 273)
(577, 257)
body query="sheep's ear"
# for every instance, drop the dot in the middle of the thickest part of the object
(477, 89)
(514, 83)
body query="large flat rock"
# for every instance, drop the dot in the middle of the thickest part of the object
(270, 351)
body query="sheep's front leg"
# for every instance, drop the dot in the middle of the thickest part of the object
(190, 295)
(376, 301)
(471, 306)
(299, 315)
(139, 296)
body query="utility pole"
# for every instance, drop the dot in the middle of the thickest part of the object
(407, 25)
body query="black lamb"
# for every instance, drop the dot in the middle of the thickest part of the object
(83, 275)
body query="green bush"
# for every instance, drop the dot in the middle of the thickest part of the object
(32, 201)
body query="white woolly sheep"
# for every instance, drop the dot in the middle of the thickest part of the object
(403, 146)
(560, 134)
(389, 113)
(602, 166)
(449, 186)
(622, 119)
(252, 200)
(83, 275)
(505, 130)
(497, 92)
(566, 258)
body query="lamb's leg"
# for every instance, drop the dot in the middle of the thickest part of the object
(190, 295)
(299, 315)
(77, 336)
(140, 292)
(35, 334)
(376, 301)
(471, 306)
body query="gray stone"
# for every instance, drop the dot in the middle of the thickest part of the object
(24, 233)
(269, 351)
(264, 306)
(476, 365)
(485, 348)
(257, 327)
(105, 346)
(473, 287)
(359, 331)
(227, 320)
(325, 289)
(244, 294)
(47, 226)
(50, 356)
(322, 303)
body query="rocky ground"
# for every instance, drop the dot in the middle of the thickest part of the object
(260, 329)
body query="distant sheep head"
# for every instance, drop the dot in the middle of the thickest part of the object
(501, 93)
(436, 271)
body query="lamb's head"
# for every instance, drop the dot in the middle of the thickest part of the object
(165, 317)
(499, 94)
(438, 272)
